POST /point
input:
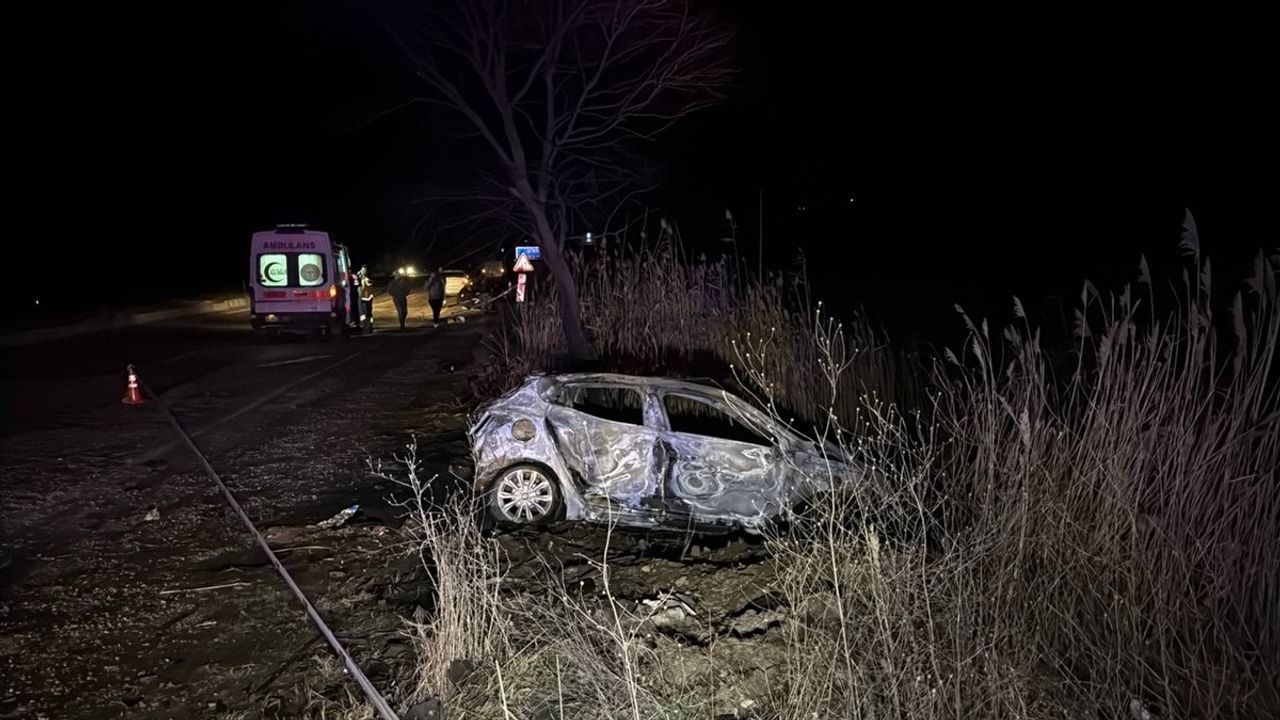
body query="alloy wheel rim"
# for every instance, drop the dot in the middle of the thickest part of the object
(525, 496)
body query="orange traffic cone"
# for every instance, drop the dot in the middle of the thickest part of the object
(132, 394)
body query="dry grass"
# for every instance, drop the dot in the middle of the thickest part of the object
(552, 654)
(1099, 544)
(1108, 543)
(330, 673)
(467, 623)
(648, 311)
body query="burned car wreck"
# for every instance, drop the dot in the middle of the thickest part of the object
(639, 451)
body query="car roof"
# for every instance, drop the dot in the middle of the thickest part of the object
(705, 391)
(656, 383)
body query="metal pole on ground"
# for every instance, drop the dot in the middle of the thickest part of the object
(375, 698)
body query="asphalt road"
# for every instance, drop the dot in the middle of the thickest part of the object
(288, 422)
(58, 384)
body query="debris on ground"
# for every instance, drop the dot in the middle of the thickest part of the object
(152, 515)
(714, 623)
(340, 519)
(431, 709)
(674, 617)
(753, 621)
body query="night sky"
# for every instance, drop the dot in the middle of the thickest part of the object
(937, 159)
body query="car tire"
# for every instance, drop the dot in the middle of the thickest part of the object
(524, 495)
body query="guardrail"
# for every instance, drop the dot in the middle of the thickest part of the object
(119, 320)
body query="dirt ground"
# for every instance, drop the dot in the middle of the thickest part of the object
(135, 592)
(708, 606)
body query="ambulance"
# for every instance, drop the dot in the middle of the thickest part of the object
(301, 282)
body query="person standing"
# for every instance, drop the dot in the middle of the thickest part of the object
(435, 294)
(364, 293)
(398, 289)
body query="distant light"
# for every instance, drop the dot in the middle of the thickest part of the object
(37, 301)
(850, 199)
(588, 238)
(412, 270)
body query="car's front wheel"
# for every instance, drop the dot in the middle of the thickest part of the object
(524, 495)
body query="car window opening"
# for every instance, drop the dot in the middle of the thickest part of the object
(624, 405)
(699, 417)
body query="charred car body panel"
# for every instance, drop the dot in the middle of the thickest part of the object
(650, 451)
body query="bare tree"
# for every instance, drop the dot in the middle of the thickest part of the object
(558, 90)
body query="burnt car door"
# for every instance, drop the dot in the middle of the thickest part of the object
(601, 433)
(720, 467)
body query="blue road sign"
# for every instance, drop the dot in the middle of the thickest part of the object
(532, 251)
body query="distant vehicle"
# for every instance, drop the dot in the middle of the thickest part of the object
(484, 287)
(646, 452)
(488, 289)
(457, 284)
(299, 279)
(493, 269)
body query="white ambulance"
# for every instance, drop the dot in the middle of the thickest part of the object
(301, 281)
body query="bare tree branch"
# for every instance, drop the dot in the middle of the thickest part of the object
(557, 89)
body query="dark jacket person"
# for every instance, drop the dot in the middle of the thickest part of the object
(435, 294)
(398, 289)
